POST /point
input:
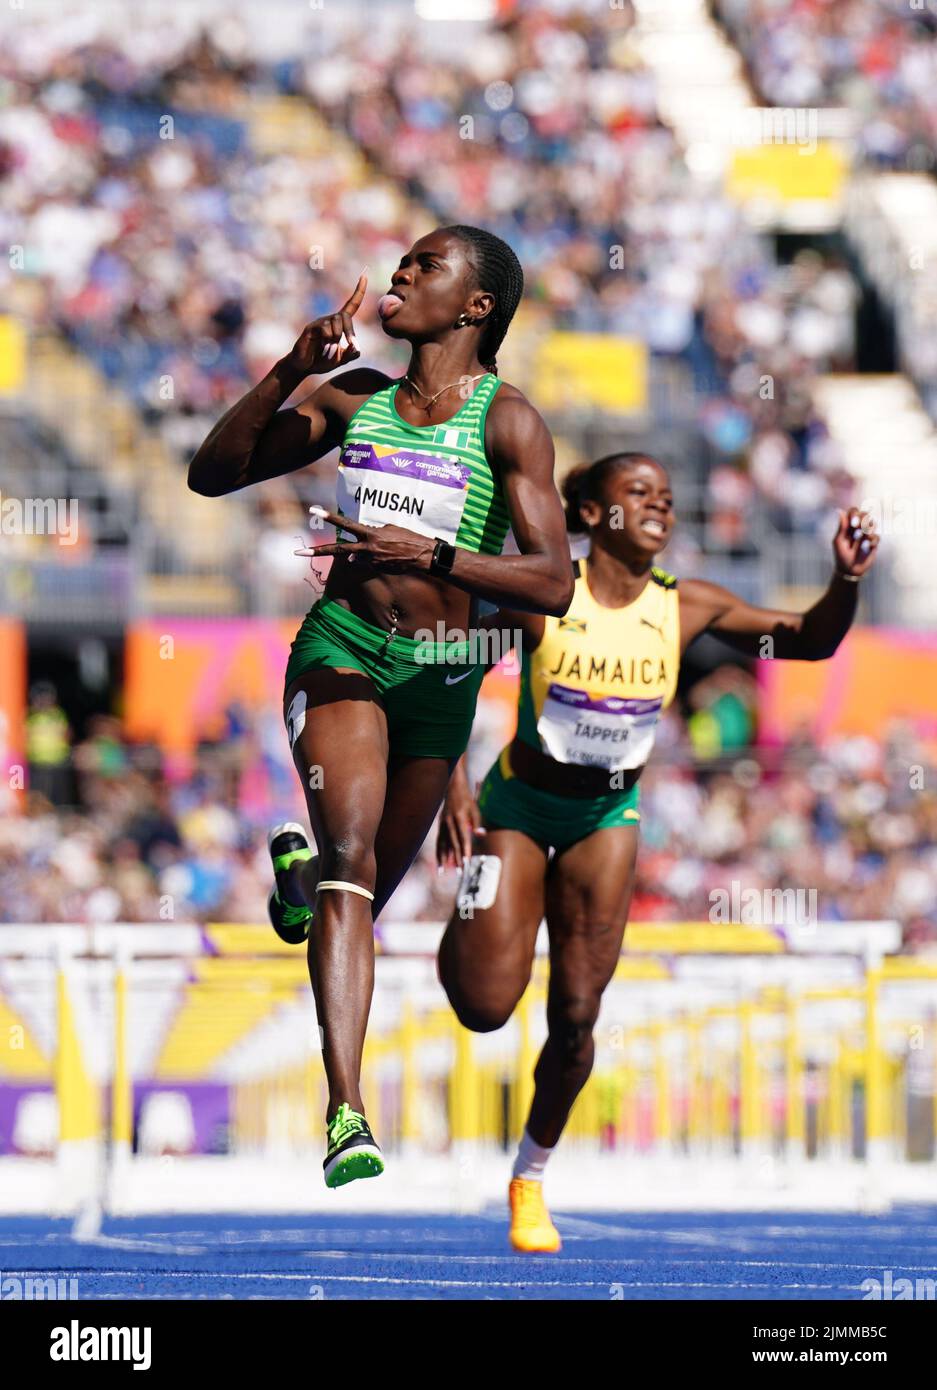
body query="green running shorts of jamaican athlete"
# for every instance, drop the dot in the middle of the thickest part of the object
(428, 689)
(507, 803)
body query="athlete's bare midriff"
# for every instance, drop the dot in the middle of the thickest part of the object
(408, 603)
(417, 602)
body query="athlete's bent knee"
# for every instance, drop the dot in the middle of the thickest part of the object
(482, 1016)
(350, 859)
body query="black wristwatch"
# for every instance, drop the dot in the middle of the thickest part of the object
(443, 558)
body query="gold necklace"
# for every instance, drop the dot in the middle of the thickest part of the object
(434, 399)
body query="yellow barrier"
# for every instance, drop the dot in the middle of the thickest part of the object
(876, 1107)
(464, 1098)
(122, 1085)
(409, 1076)
(795, 1120)
(12, 356)
(748, 1099)
(79, 1096)
(523, 1088)
(809, 1073)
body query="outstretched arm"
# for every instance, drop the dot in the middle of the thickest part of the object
(810, 636)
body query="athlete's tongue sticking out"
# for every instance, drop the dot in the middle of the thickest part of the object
(388, 304)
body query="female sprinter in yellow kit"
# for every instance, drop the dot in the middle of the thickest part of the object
(593, 685)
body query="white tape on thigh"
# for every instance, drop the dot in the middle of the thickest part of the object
(478, 886)
(296, 717)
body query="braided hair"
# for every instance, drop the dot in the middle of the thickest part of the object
(586, 483)
(498, 272)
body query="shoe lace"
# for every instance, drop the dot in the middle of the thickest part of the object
(292, 916)
(344, 1123)
(531, 1208)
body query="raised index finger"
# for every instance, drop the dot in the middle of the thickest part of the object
(353, 302)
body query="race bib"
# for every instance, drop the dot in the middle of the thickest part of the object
(378, 484)
(608, 732)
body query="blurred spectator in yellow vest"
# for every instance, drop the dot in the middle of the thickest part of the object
(48, 744)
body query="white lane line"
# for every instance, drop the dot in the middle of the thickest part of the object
(561, 1283)
(580, 1228)
(155, 1247)
(614, 1260)
(574, 1227)
(193, 1275)
(145, 1247)
(393, 1256)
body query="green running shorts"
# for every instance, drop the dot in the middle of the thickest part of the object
(428, 689)
(507, 803)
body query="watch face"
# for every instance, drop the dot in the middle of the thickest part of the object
(444, 556)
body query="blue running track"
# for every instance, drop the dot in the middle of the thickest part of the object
(695, 1255)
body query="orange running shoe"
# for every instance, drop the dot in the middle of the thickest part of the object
(531, 1228)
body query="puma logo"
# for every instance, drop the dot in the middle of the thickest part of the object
(658, 630)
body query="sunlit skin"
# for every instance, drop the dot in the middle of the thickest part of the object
(370, 809)
(585, 891)
(433, 283)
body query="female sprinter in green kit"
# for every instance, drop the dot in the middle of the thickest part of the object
(593, 684)
(433, 469)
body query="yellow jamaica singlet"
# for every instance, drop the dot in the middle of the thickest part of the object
(593, 690)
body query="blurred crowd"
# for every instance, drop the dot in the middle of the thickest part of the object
(880, 60)
(173, 247)
(112, 838)
(550, 125)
